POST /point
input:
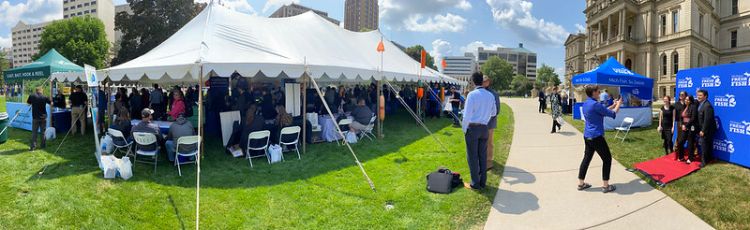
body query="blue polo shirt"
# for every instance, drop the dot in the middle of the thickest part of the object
(594, 112)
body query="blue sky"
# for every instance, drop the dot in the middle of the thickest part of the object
(443, 27)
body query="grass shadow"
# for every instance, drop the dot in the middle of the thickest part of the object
(220, 170)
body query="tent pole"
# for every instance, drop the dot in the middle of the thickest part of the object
(200, 151)
(380, 119)
(304, 113)
(419, 121)
(340, 133)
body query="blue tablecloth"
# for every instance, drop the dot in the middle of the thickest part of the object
(61, 120)
(163, 125)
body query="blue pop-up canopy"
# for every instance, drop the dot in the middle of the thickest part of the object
(612, 73)
(635, 89)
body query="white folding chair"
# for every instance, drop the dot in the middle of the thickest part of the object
(186, 141)
(144, 139)
(258, 135)
(117, 136)
(288, 131)
(367, 132)
(344, 132)
(624, 128)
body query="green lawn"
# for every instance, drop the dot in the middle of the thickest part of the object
(719, 194)
(324, 190)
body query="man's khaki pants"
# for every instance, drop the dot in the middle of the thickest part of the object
(79, 114)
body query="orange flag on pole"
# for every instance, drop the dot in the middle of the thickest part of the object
(444, 64)
(381, 47)
(424, 59)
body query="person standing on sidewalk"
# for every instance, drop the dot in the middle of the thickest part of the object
(492, 124)
(593, 135)
(556, 108)
(542, 101)
(38, 104)
(479, 108)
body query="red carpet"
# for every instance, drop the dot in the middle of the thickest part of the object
(666, 169)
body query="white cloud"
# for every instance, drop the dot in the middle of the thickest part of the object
(464, 5)
(31, 11)
(423, 15)
(273, 4)
(516, 16)
(580, 28)
(472, 47)
(236, 5)
(5, 42)
(440, 49)
(438, 23)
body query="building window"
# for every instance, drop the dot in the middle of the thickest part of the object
(734, 7)
(675, 63)
(733, 41)
(663, 25)
(675, 21)
(93, 2)
(93, 11)
(663, 65)
(700, 60)
(700, 24)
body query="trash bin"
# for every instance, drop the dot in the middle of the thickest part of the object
(3, 123)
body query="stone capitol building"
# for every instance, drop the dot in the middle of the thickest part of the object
(657, 38)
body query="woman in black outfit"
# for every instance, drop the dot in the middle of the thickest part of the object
(688, 119)
(666, 124)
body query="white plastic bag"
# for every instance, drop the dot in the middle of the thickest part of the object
(125, 168)
(50, 133)
(351, 138)
(274, 151)
(107, 144)
(236, 152)
(109, 166)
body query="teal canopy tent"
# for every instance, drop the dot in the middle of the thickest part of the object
(42, 68)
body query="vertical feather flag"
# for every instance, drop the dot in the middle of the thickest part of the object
(444, 64)
(424, 59)
(381, 47)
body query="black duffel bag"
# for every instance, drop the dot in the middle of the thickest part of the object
(443, 181)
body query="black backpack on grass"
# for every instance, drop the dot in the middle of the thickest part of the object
(443, 181)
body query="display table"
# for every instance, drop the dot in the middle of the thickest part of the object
(61, 119)
(641, 117)
(328, 128)
(163, 125)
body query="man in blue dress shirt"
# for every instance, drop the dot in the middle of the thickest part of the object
(593, 135)
(479, 108)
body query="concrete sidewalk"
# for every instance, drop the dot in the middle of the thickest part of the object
(538, 190)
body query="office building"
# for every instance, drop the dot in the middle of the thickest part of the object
(460, 67)
(658, 38)
(296, 9)
(104, 10)
(522, 59)
(25, 40)
(361, 15)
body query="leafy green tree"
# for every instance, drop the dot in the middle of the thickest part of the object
(152, 22)
(415, 52)
(500, 71)
(546, 76)
(80, 39)
(4, 65)
(521, 85)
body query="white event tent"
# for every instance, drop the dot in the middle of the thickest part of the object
(223, 41)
